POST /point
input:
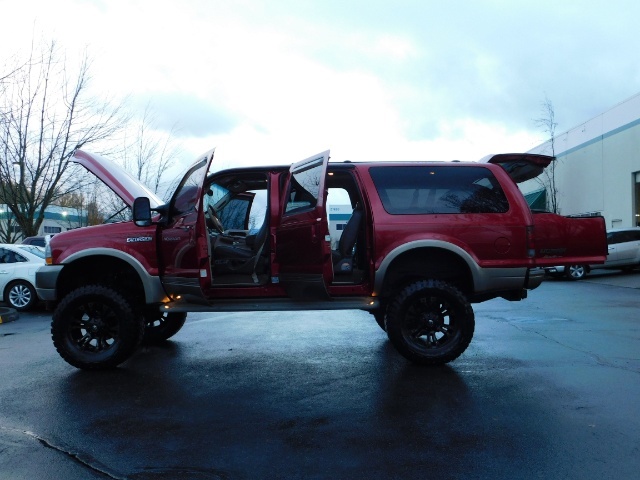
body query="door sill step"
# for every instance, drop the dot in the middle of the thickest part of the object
(273, 305)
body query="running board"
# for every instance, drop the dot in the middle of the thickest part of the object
(273, 305)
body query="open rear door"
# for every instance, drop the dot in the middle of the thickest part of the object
(185, 269)
(569, 241)
(303, 245)
(520, 166)
(557, 240)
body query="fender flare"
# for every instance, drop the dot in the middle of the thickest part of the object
(381, 271)
(152, 285)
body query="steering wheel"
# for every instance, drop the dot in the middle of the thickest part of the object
(214, 220)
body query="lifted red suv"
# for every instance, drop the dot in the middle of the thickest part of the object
(423, 242)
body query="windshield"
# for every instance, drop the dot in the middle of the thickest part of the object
(217, 196)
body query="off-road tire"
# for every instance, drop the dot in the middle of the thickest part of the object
(94, 327)
(380, 314)
(430, 322)
(160, 326)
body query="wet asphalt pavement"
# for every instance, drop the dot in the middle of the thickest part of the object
(549, 388)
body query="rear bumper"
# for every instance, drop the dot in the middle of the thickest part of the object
(534, 278)
(554, 270)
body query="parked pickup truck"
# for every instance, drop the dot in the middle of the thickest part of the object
(424, 241)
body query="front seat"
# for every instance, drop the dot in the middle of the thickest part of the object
(343, 256)
(240, 257)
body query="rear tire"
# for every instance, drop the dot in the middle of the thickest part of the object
(95, 327)
(160, 326)
(575, 272)
(430, 322)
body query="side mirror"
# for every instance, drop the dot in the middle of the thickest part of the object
(142, 212)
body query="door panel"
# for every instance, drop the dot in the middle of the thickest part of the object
(7, 268)
(184, 243)
(628, 251)
(623, 249)
(303, 244)
(562, 240)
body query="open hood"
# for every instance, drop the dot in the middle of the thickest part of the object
(520, 166)
(116, 178)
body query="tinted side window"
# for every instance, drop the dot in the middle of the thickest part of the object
(8, 256)
(617, 237)
(621, 237)
(438, 189)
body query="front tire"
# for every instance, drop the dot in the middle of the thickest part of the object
(160, 326)
(21, 295)
(380, 314)
(95, 327)
(430, 322)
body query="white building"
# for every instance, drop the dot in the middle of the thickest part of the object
(339, 215)
(598, 169)
(56, 219)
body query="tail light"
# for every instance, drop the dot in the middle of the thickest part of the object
(531, 242)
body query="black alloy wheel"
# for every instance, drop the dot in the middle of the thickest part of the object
(94, 327)
(430, 322)
(160, 326)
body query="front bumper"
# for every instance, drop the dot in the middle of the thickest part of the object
(46, 281)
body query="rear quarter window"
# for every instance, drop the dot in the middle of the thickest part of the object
(414, 190)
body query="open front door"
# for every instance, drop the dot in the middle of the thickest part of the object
(184, 244)
(303, 245)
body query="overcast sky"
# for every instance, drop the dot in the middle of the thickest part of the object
(277, 81)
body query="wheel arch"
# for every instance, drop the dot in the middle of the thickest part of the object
(14, 281)
(421, 260)
(112, 268)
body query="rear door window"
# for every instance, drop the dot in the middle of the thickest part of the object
(614, 238)
(414, 190)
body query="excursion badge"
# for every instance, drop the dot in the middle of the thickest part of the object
(139, 239)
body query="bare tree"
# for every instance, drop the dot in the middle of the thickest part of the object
(547, 121)
(9, 231)
(46, 114)
(148, 153)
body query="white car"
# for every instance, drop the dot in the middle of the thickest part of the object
(18, 265)
(623, 252)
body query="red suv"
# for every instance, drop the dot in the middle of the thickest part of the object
(423, 242)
